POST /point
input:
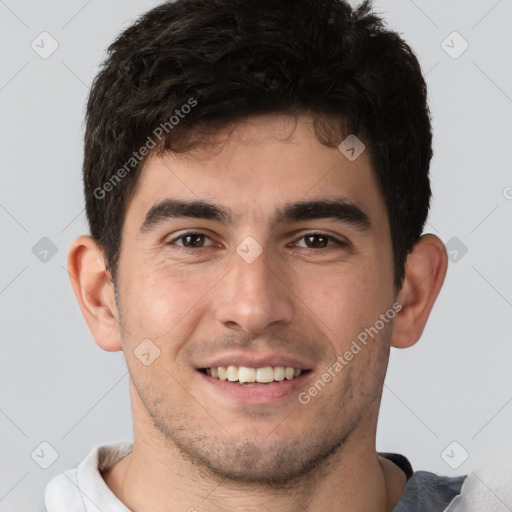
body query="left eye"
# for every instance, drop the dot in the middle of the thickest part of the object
(319, 241)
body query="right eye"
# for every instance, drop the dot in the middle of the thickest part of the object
(191, 240)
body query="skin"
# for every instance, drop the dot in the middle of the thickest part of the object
(196, 448)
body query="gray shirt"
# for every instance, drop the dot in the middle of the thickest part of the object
(425, 491)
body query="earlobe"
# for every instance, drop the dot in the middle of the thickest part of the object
(94, 292)
(425, 271)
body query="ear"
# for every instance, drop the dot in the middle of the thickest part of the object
(425, 270)
(94, 292)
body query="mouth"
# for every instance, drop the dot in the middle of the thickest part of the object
(259, 385)
(250, 376)
(264, 378)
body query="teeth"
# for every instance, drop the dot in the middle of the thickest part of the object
(232, 373)
(246, 374)
(279, 372)
(263, 375)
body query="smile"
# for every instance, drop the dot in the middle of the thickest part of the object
(247, 375)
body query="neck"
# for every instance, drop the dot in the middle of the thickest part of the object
(155, 476)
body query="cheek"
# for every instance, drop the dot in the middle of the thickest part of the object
(341, 297)
(346, 301)
(160, 300)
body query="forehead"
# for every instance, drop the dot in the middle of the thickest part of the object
(258, 166)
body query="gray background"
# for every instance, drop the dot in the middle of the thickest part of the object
(58, 387)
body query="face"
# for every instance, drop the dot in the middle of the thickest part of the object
(271, 252)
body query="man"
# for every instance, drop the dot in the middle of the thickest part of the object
(256, 184)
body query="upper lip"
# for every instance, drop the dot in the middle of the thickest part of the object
(256, 360)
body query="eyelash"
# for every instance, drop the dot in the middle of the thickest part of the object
(337, 241)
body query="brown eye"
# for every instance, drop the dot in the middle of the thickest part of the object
(191, 240)
(317, 241)
(194, 240)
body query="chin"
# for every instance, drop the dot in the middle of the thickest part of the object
(260, 463)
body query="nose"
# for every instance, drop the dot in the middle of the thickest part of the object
(254, 297)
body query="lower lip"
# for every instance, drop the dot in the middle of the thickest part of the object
(259, 393)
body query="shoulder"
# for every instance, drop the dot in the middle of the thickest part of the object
(425, 491)
(73, 488)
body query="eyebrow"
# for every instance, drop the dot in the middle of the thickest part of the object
(339, 209)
